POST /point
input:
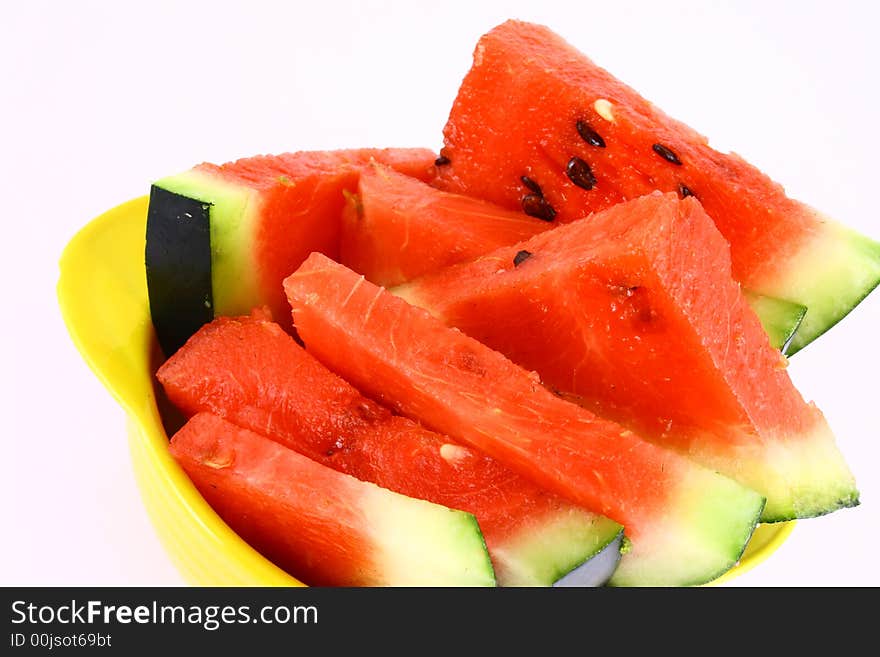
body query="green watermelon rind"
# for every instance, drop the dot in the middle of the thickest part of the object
(780, 318)
(407, 541)
(406, 529)
(810, 480)
(714, 517)
(830, 275)
(233, 214)
(553, 547)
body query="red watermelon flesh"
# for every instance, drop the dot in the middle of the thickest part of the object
(397, 227)
(687, 524)
(635, 311)
(322, 526)
(269, 212)
(251, 372)
(533, 105)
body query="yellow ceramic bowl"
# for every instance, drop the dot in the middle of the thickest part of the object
(102, 292)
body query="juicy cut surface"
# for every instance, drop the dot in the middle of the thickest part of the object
(399, 354)
(634, 312)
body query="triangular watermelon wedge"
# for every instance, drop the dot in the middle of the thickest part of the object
(687, 524)
(532, 105)
(635, 312)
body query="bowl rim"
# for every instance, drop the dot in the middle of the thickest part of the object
(102, 296)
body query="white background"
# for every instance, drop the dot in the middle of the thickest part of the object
(99, 99)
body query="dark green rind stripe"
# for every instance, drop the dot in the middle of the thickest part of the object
(847, 501)
(177, 257)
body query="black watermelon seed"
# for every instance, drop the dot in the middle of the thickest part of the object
(538, 207)
(532, 185)
(520, 257)
(589, 135)
(685, 191)
(666, 154)
(580, 173)
(441, 161)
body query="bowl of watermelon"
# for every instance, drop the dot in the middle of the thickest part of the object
(500, 364)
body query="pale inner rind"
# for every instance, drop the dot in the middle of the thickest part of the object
(234, 212)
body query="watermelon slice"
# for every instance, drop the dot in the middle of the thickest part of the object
(687, 523)
(635, 311)
(250, 371)
(220, 239)
(322, 526)
(398, 228)
(532, 105)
